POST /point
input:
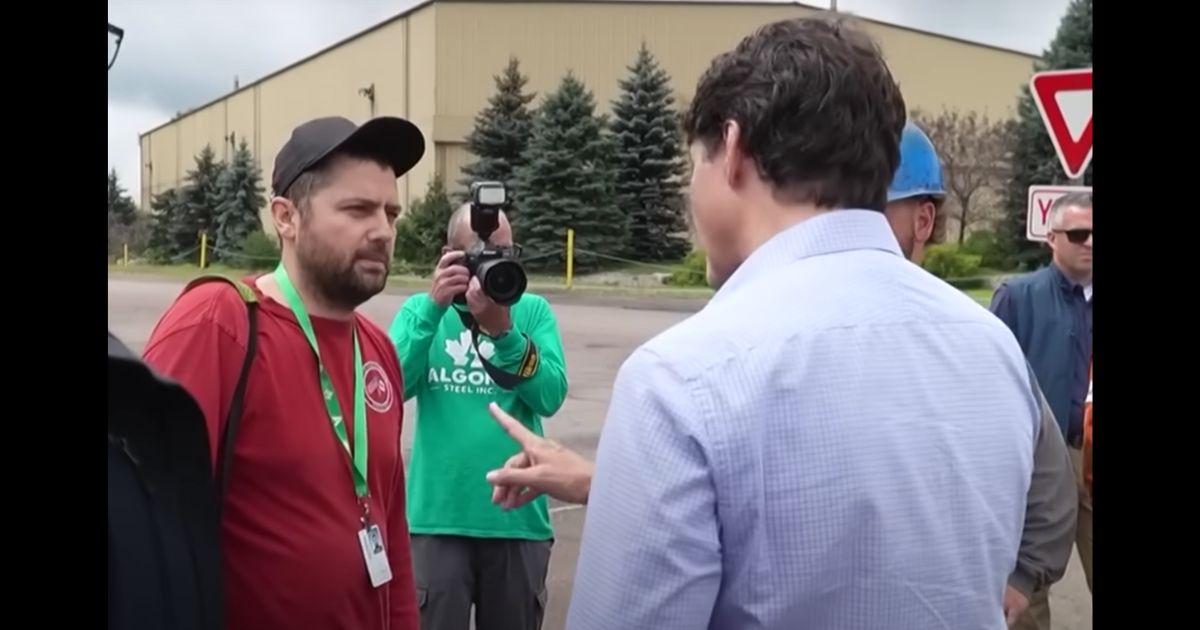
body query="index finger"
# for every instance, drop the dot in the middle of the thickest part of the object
(450, 258)
(524, 437)
(475, 296)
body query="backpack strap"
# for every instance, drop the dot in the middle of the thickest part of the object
(229, 436)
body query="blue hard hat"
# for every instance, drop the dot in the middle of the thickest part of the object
(920, 171)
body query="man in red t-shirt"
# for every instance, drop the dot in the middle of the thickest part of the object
(313, 522)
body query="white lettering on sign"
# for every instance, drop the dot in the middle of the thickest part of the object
(1041, 199)
(461, 381)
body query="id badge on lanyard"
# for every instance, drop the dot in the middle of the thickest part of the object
(370, 537)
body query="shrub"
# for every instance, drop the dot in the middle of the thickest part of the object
(966, 284)
(259, 252)
(405, 268)
(136, 234)
(421, 232)
(692, 272)
(948, 261)
(987, 245)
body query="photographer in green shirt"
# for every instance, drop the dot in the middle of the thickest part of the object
(465, 551)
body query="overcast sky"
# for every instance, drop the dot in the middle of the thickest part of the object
(181, 53)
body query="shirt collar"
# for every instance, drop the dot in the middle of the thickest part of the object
(830, 232)
(1068, 285)
(1063, 280)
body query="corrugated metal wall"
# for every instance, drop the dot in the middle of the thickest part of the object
(452, 157)
(436, 67)
(597, 41)
(265, 112)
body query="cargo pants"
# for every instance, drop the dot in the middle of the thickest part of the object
(504, 579)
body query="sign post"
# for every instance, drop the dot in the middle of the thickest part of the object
(1064, 99)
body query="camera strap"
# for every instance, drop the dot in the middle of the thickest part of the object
(506, 380)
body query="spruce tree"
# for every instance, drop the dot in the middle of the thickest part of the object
(239, 201)
(421, 232)
(568, 181)
(1033, 158)
(199, 197)
(164, 213)
(121, 209)
(650, 163)
(501, 133)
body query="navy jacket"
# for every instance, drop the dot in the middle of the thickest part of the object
(1052, 320)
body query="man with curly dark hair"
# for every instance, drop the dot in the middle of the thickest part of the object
(839, 439)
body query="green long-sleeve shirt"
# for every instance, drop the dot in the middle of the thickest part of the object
(457, 442)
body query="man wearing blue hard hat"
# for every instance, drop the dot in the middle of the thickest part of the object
(916, 194)
(914, 199)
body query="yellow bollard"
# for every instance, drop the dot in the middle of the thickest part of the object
(125, 256)
(203, 249)
(570, 257)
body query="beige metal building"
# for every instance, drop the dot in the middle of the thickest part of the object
(434, 64)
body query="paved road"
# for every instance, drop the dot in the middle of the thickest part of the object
(598, 333)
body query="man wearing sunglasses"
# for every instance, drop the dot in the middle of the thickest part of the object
(466, 552)
(1050, 313)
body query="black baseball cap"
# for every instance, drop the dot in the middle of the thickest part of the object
(394, 141)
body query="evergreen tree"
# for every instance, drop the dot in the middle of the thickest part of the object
(239, 201)
(196, 211)
(421, 232)
(1033, 158)
(568, 181)
(121, 209)
(164, 209)
(501, 133)
(650, 163)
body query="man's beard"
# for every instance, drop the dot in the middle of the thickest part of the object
(336, 277)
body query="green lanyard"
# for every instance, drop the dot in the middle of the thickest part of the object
(358, 455)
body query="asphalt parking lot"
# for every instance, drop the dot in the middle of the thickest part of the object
(598, 333)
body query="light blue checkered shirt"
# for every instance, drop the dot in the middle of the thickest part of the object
(838, 441)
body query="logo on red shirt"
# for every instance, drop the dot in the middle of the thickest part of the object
(380, 394)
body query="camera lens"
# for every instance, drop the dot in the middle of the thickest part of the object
(503, 280)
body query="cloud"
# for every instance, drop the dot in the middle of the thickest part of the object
(124, 121)
(183, 53)
(178, 54)
(1025, 25)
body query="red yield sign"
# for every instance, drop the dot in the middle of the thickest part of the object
(1064, 98)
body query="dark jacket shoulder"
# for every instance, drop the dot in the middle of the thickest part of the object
(1034, 279)
(164, 568)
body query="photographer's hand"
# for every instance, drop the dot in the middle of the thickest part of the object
(494, 320)
(450, 279)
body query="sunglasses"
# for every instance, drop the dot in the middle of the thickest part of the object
(1079, 236)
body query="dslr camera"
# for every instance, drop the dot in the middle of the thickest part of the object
(500, 274)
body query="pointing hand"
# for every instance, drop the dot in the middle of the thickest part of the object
(542, 467)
